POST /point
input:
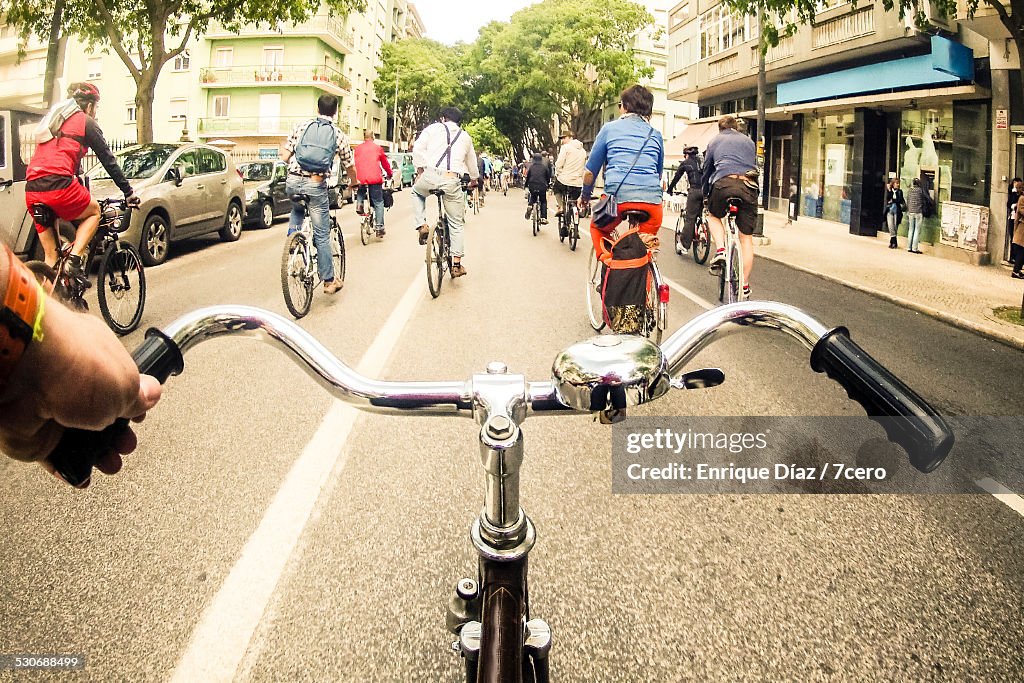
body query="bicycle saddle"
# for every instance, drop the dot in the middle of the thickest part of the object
(610, 372)
(437, 193)
(636, 215)
(300, 198)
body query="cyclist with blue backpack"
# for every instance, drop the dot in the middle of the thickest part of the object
(309, 153)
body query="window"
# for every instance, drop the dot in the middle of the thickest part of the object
(178, 109)
(224, 57)
(131, 113)
(273, 58)
(3, 142)
(211, 161)
(222, 106)
(720, 30)
(187, 163)
(181, 62)
(95, 68)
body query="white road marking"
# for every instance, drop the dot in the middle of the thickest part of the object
(703, 303)
(220, 640)
(1003, 495)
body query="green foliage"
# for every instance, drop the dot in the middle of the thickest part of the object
(487, 137)
(146, 34)
(429, 78)
(557, 61)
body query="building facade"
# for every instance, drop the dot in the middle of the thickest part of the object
(854, 99)
(245, 90)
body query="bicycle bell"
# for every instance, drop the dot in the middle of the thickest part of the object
(610, 372)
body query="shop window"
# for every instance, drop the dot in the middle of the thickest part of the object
(827, 166)
(971, 157)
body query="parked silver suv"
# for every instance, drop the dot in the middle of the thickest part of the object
(186, 190)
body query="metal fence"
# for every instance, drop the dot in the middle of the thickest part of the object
(90, 161)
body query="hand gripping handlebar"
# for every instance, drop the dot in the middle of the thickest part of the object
(908, 420)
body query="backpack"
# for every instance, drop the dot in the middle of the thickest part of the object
(317, 147)
(49, 127)
(624, 283)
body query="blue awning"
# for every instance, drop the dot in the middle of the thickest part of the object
(949, 62)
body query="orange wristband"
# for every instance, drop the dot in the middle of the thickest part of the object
(21, 315)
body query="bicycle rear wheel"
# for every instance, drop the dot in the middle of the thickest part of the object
(122, 287)
(730, 285)
(679, 235)
(563, 225)
(574, 230)
(536, 219)
(297, 275)
(337, 251)
(364, 230)
(435, 261)
(656, 315)
(701, 241)
(595, 307)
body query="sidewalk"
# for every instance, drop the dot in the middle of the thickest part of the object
(958, 293)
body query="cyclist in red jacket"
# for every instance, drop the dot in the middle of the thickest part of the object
(372, 167)
(52, 180)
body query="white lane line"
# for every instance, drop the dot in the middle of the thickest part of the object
(221, 638)
(1003, 495)
(703, 303)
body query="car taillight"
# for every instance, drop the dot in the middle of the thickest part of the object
(663, 293)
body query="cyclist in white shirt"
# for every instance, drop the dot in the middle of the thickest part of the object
(443, 153)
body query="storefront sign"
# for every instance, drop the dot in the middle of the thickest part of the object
(1002, 119)
(964, 226)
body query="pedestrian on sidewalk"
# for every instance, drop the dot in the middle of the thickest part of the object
(916, 201)
(1017, 246)
(1015, 193)
(895, 205)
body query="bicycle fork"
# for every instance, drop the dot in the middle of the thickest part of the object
(491, 615)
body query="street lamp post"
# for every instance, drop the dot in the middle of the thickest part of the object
(394, 132)
(761, 87)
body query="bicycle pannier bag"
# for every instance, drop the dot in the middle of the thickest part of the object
(317, 147)
(624, 283)
(389, 199)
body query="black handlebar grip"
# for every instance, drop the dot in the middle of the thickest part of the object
(79, 449)
(907, 418)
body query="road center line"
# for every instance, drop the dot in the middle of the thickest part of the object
(1003, 495)
(220, 640)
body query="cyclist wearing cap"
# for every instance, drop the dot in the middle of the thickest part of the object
(690, 167)
(51, 176)
(730, 170)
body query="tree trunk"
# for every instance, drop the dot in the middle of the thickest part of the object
(144, 96)
(52, 55)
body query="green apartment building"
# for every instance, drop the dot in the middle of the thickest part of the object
(259, 84)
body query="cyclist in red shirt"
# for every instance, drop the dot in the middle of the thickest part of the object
(370, 162)
(52, 180)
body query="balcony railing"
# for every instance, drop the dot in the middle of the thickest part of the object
(248, 125)
(724, 67)
(281, 75)
(843, 28)
(784, 49)
(331, 29)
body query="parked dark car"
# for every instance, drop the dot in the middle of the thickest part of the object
(265, 194)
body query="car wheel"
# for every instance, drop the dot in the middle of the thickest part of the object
(232, 229)
(155, 240)
(266, 215)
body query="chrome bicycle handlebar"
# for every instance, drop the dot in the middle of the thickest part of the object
(604, 373)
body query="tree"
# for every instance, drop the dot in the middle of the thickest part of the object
(487, 137)
(428, 76)
(557, 63)
(146, 34)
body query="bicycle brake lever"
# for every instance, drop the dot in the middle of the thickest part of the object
(80, 449)
(705, 378)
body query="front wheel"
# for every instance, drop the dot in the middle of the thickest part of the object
(232, 229)
(435, 261)
(122, 288)
(595, 307)
(297, 275)
(156, 240)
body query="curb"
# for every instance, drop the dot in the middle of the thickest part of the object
(954, 320)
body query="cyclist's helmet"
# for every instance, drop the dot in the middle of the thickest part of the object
(84, 92)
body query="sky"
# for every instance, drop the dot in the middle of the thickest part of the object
(450, 21)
